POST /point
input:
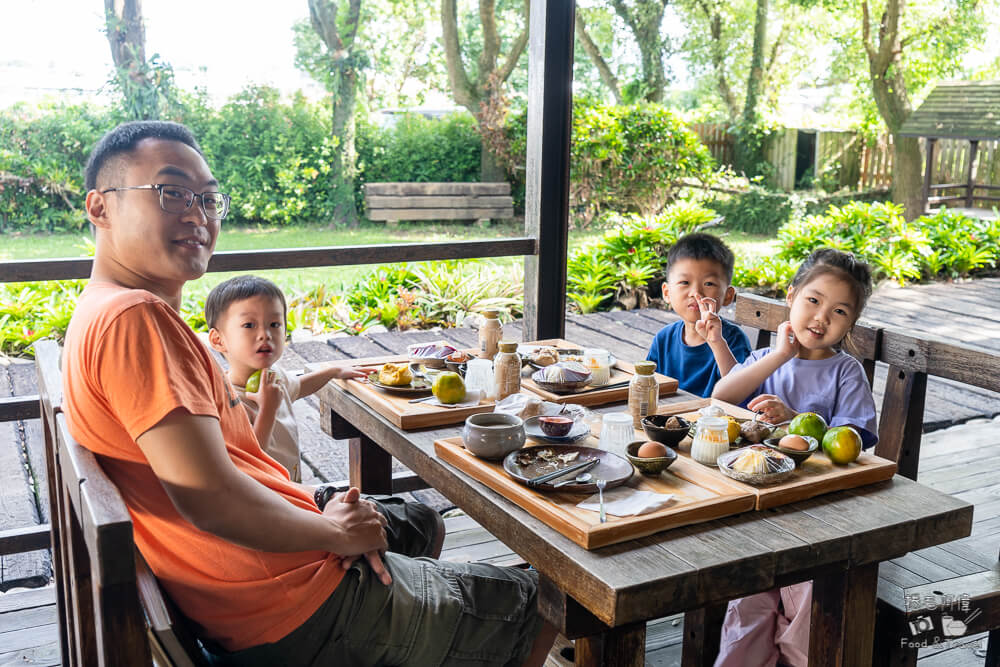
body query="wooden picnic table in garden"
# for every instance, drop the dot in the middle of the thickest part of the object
(604, 597)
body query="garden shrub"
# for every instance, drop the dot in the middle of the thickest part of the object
(623, 158)
(755, 211)
(274, 159)
(43, 150)
(420, 150)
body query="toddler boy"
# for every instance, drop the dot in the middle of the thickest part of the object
(246, 319)
(701, 347)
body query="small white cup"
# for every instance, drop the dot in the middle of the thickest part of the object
(616, 432)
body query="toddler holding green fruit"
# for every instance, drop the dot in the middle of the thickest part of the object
(805, 372)
(246, 319)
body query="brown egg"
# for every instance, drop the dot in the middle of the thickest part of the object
(651, 450)
(794, 442)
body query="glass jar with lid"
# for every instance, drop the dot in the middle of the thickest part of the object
(490, 333)
(643, 392)
(507, 370)
(711, 438)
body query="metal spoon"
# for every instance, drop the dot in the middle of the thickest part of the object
(582, 478)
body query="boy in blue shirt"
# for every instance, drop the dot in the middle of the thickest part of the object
(701, 347)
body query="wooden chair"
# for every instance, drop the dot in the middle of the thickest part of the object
(911, 359)
(111, 609)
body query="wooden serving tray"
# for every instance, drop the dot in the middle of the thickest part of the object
(397, 407)
(816, 476)
(699, 495)
(622, 372)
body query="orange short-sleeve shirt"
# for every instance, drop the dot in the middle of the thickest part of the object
(128, 361)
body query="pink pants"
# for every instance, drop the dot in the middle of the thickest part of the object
(758, 632)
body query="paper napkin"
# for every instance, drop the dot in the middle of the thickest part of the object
(626, 501)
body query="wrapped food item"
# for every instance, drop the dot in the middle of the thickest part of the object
(395, 375)
(438, 350)
(458, 357)
(564, 371)
(545, 356)
(520, 405)
(758, 459)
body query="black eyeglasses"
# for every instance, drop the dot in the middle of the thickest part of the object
(177, 199)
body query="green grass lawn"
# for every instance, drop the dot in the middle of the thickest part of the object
(43, 246)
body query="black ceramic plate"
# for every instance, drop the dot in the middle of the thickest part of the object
(524, 464)
(416, 387)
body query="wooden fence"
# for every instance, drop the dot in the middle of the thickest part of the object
(844, 159)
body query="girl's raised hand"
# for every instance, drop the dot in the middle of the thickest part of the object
(787, 344)
(772, 407)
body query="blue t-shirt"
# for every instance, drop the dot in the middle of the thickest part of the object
(836, 388)
(693, 366)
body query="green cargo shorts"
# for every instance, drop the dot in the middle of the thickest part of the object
(433, 613)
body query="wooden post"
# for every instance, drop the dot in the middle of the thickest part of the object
(970, 183)
(546, 208)
(928, 171)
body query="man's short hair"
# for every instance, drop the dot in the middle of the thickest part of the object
(112, 151)
(236, 289)
(702, 246)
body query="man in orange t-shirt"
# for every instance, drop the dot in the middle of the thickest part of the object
(265, 575)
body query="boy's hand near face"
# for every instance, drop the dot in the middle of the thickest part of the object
(709, 326)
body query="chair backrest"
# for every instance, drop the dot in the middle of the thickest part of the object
(766, 315)
(911, 359)
(99, 581)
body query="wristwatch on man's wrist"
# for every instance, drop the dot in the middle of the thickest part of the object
(322, 496)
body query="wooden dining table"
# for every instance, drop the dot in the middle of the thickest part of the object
(603, 597)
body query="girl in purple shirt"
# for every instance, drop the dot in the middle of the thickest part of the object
(804, 372)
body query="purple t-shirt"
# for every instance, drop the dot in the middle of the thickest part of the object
(835, 388)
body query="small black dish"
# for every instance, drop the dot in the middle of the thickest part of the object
(653, 425)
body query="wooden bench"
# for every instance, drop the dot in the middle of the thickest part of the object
(111, 609)
(910, 359)
(438, 201)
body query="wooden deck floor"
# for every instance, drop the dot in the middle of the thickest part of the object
(965, 312)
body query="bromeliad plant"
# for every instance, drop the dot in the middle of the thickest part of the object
(945, 244)
(631, 255)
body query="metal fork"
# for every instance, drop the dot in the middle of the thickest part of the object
(601, 483)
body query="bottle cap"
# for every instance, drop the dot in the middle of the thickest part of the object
(508, 346)
(644, 367)
(491, 314)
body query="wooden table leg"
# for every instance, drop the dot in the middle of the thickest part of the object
(702, 633)
(842, 629)
(624, 645)
(369, 466)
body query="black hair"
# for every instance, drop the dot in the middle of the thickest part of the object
(236, 289)
(113, 150)
(702, 246)
(844, 265)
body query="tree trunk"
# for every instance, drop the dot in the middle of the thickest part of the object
(342, 48)
(645, 20)
(123, 21)
(473, 94)
(756, 77)
(893, 101)
(607, 76)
